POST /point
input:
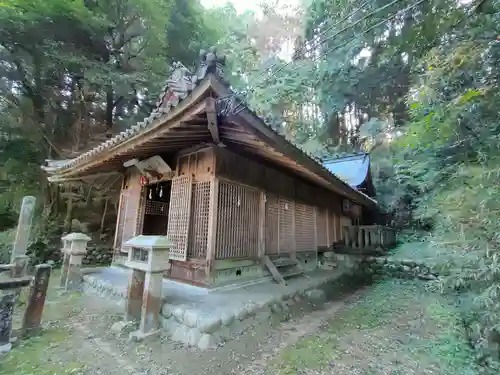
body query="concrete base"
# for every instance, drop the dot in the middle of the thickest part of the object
(204, 318)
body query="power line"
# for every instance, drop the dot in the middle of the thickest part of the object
(375, 26)
(352, 39)
(325, 31)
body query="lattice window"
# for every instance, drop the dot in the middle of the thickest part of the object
(286, 224)
(179, 215)
(321, 227)
(304, 227)
(272, 224)
(237, 221)
(198, 238)
(156, 208)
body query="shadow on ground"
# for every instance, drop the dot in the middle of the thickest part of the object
(387, 328)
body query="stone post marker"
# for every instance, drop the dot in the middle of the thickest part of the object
(148, 260)
(36, 300)
(18, 259)
(9, 290)
(7, 301)
(74, 249)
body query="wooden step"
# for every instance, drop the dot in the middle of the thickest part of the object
(284, 262)
(274, 271)
(282, 268)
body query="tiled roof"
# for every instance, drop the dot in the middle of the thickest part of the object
(180, 83)
(352, 169)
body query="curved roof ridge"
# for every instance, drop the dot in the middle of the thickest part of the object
(177, 87)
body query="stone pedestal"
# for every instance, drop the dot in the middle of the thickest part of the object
(148, 260)
(74, 249)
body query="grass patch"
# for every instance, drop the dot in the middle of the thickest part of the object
(397, 327)
(30, 356)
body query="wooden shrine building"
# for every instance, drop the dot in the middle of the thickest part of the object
(227, 190)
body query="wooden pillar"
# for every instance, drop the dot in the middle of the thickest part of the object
(36, 300)
(315, 221)
(293, 251)
(279, 227)
(117, 243)
(262, 224)
(212, 230)
(327, 228)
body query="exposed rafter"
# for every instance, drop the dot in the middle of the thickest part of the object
(212, 122)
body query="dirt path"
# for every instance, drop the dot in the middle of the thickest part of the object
(290, 332)
(386, 329)
(78, 340)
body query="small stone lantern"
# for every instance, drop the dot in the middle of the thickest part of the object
(74, 249)
(148, 260)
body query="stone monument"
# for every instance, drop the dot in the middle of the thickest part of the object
(19, 259)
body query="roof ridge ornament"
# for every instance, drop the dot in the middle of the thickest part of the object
(211, 63)
(179, 85)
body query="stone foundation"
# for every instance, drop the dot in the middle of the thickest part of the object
(95, 286)
(205, 319)
(404, 269)
(98, 256)
(206, 330)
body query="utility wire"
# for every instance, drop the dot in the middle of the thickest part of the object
(403, 11)
(303, 49)
(350, 40)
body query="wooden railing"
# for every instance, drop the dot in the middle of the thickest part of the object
(368, 238)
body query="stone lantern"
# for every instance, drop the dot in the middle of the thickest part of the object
(74, 248)
(148, 260)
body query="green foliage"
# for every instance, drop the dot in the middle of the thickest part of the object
(394, 317)
(449, 152)
(71, 74)
(6, 241)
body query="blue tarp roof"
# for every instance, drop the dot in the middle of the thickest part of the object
(352, 169)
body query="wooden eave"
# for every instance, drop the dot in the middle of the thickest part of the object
(187, 125)
(182, 127)
(246, 130)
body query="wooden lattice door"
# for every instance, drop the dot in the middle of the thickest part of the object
(179, 216)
